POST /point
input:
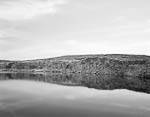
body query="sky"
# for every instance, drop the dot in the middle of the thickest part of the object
(35, 29)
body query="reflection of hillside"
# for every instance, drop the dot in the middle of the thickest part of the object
(72, 79)
(88, 80)
(113, 82)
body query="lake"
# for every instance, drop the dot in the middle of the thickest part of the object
(73, 95)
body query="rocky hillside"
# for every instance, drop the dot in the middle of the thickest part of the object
(114, 64)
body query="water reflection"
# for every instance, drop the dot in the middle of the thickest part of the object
(24, 98)
(88, 80)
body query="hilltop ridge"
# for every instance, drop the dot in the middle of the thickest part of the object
(115, 64)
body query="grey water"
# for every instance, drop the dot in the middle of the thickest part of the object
(73, 95)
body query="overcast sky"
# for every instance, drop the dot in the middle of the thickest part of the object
(31, 29)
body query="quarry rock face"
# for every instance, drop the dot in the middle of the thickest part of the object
(121, 65)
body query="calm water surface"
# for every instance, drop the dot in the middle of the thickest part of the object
(32, 95)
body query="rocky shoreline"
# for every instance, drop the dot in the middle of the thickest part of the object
(111, 64)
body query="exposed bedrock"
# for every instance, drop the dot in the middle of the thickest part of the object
(122, 65)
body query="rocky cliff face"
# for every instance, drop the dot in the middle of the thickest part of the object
(121, 65)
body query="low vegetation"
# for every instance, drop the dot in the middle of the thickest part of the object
(112, 64)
